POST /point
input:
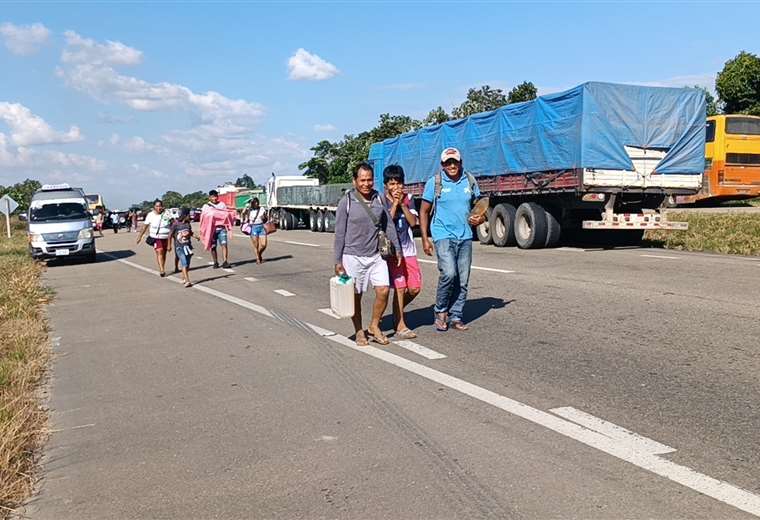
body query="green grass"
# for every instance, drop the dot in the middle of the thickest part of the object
(735, 234)
(24, 354)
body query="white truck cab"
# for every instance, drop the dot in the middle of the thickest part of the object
(59, 224)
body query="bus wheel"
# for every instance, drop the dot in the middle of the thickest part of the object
(502, 225)
(530, 226)
(484, 230)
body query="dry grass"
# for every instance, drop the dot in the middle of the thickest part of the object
(736, 233)
(24, 353)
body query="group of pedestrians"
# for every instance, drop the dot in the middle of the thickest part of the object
(165, 233)
(374, 244)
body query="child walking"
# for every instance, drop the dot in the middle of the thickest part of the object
(181, 233)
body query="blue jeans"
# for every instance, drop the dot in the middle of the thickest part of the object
(454, 261)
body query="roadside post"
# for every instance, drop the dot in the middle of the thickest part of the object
(8, 206)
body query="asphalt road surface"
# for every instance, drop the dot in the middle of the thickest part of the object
(594, 384)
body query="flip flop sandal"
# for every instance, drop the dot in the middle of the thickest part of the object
(381, 340)
(405, 334)
(441, 325)
(361, 341)
(458, 325)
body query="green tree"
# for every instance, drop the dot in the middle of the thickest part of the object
(436, 117)
(172, 199)
(479, 100)
(738, 84)
(712, 104)
(525, 91)
(21, 192)
(246, 182)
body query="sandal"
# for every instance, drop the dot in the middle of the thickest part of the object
(162, 274)
(188, 284)
(459, 325)
(361, 340)
(380, 339)
(405, 334)
(441, 324)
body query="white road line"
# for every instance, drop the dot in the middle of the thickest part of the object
(227, 270)
(210, 263)
(250, 279)
(283, 292)
(661, 256)
(623, 450)
(330, 313)
(570, 249)
(419, 349)
(611, 430)
(199, 258)
(297, 243)
(474, 267)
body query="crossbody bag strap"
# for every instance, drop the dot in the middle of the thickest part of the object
(369, 211)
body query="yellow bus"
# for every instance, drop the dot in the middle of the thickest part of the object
(732, 160)
(93, 201)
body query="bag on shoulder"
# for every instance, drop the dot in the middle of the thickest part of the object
(150, 240)
(246, 228)
(384, 245)
(270, 227)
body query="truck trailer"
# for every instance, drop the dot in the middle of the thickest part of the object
(599, 157)
(296, 201)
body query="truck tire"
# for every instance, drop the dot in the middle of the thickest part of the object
(321, 221)
(330, 221)
(502, 225)
(313, 220)
(530, 226)
(292, 220)
(553, 227)
(484, 230)
(284, 219)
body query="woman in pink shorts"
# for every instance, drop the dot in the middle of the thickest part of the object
(407, 277)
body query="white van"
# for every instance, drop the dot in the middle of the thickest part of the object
(60, 224)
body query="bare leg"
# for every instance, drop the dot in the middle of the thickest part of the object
(398, 309)
(262, 247)
(381, 302)
(225, 253)
(186, 274)
(214, 256)
(357, 318)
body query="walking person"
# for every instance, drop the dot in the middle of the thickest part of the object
(363, 230)
(180, 234)
(157, 225)
(99, 219)
(407, 277)
(115, 222)
(135, 214)
(220, 235)
(447, 200)
(256, 216)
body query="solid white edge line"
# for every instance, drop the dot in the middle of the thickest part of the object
(250, 279)
(330, 313)
(626, 451)
(611, 430)
(227, 270)
(283, 292)
(474, 267)
(297, 243)
(661, 256)
(419, 349)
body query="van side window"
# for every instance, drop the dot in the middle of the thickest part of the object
(710, 134)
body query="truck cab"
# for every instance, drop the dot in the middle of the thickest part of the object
(59, 224)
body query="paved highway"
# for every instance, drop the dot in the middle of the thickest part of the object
(593, 384)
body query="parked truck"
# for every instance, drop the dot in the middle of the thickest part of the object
(599, 157)
(296, 201)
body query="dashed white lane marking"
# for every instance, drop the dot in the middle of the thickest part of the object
(474, 267)
(199, 258)
(615, 445)
(661, 256)
(210, 263)
(283, 292)
(570, 249)
(621, 449)
(250, 279)
(611, 430)
(419, 349)
(227, 270)
(297, 243)
(330, 313)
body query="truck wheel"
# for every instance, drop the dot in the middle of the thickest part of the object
(313, 225)
(321, 221)
(502, 225)
(484, 230)
(292, 220)
(553, 228)
(284, 219)
(530, 226)
(330, 221)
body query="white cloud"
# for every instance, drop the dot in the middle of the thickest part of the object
(703, 80)
(86, 50)
(23, 160)
(304, 65)
(324, 128)
(29, 129)
(24, 39)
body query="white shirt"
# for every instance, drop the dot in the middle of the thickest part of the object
(159, 224)
(256, 216)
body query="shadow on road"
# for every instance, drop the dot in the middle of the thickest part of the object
(101, 258)
(210, 279)
(266, 260)
(473, 311)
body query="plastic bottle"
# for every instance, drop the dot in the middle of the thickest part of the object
(342, 296)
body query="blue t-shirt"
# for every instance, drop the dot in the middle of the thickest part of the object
(452, 208)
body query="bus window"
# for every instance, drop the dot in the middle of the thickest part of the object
(710, 133)
(743, 125)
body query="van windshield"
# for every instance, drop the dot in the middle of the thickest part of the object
(58, 211)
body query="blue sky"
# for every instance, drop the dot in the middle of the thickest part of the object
(133, 99)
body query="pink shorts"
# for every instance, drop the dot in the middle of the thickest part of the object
(406, 275)
(160, 243)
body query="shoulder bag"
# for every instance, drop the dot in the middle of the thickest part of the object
(384, 245)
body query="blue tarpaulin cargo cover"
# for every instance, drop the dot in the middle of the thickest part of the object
(585, 127)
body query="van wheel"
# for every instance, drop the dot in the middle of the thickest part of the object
(530, 226)
(553, 228)
(484, 230)
(313, 223)
(502, 225)
(321, 221)
(92, 257)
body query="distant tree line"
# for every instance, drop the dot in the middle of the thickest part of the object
(21, 192)
(332, 161)
(196, 199)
